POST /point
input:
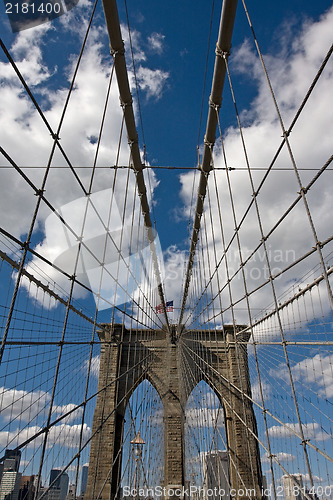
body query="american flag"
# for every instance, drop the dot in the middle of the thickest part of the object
(159, 308)
(168, 307)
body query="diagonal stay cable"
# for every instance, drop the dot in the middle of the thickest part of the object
(276, 155)
(45, 492)
(66, 414)
(292, 158)
(42, 188)
(118, 53)
(260, 244)
(210, 370)
(51, 292)
(270, 168)
(320, 171)
(54, 135)
(41, 195)
(239, 417)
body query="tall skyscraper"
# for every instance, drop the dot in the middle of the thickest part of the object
(293, 487)
(10, 477)
(64, 481)
(84, 478)
(10, 485)
(216, 474)
(54, 476)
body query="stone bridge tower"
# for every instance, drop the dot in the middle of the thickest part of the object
(130, 356)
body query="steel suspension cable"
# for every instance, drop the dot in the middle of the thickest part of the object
(285, 133)
(223, 46)
(118, 53)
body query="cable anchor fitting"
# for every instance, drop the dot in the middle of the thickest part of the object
(119, 52)
(213, 104)
(39, 192)
(124, 104)
(207, 171)
(222, 53)
(210, 145)
(303, 190)
(131, 143)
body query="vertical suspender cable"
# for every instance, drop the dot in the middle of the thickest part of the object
(223, 47)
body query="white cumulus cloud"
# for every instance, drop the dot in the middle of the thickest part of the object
(94, 365)
(292, 237)
(281, 457)
(311, 430)
(315, 372)
(64, 435)
(25, 406)
(152, 81)
(155, 41)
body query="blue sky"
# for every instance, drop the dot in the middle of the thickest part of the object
(171, 112)
(171, 43)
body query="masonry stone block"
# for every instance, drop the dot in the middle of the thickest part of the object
(128, 357)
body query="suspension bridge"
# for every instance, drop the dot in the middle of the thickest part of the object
(131, 372)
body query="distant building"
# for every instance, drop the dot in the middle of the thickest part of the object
(55, 475)
(71, 493)
(264, 482)
(11, 461)
(38, 484)
(10, 485)
(84, 478)
(42, 490)
(37, 481)
(27, 488)
(293, 487)
(216, 475)
(10, 476)
(64, 481)
(53, 494)
(58, 490)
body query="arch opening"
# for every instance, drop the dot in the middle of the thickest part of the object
(143, 443)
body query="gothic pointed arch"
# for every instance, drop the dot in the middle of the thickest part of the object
(143, 464)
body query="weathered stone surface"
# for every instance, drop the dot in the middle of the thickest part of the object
(128, 357)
